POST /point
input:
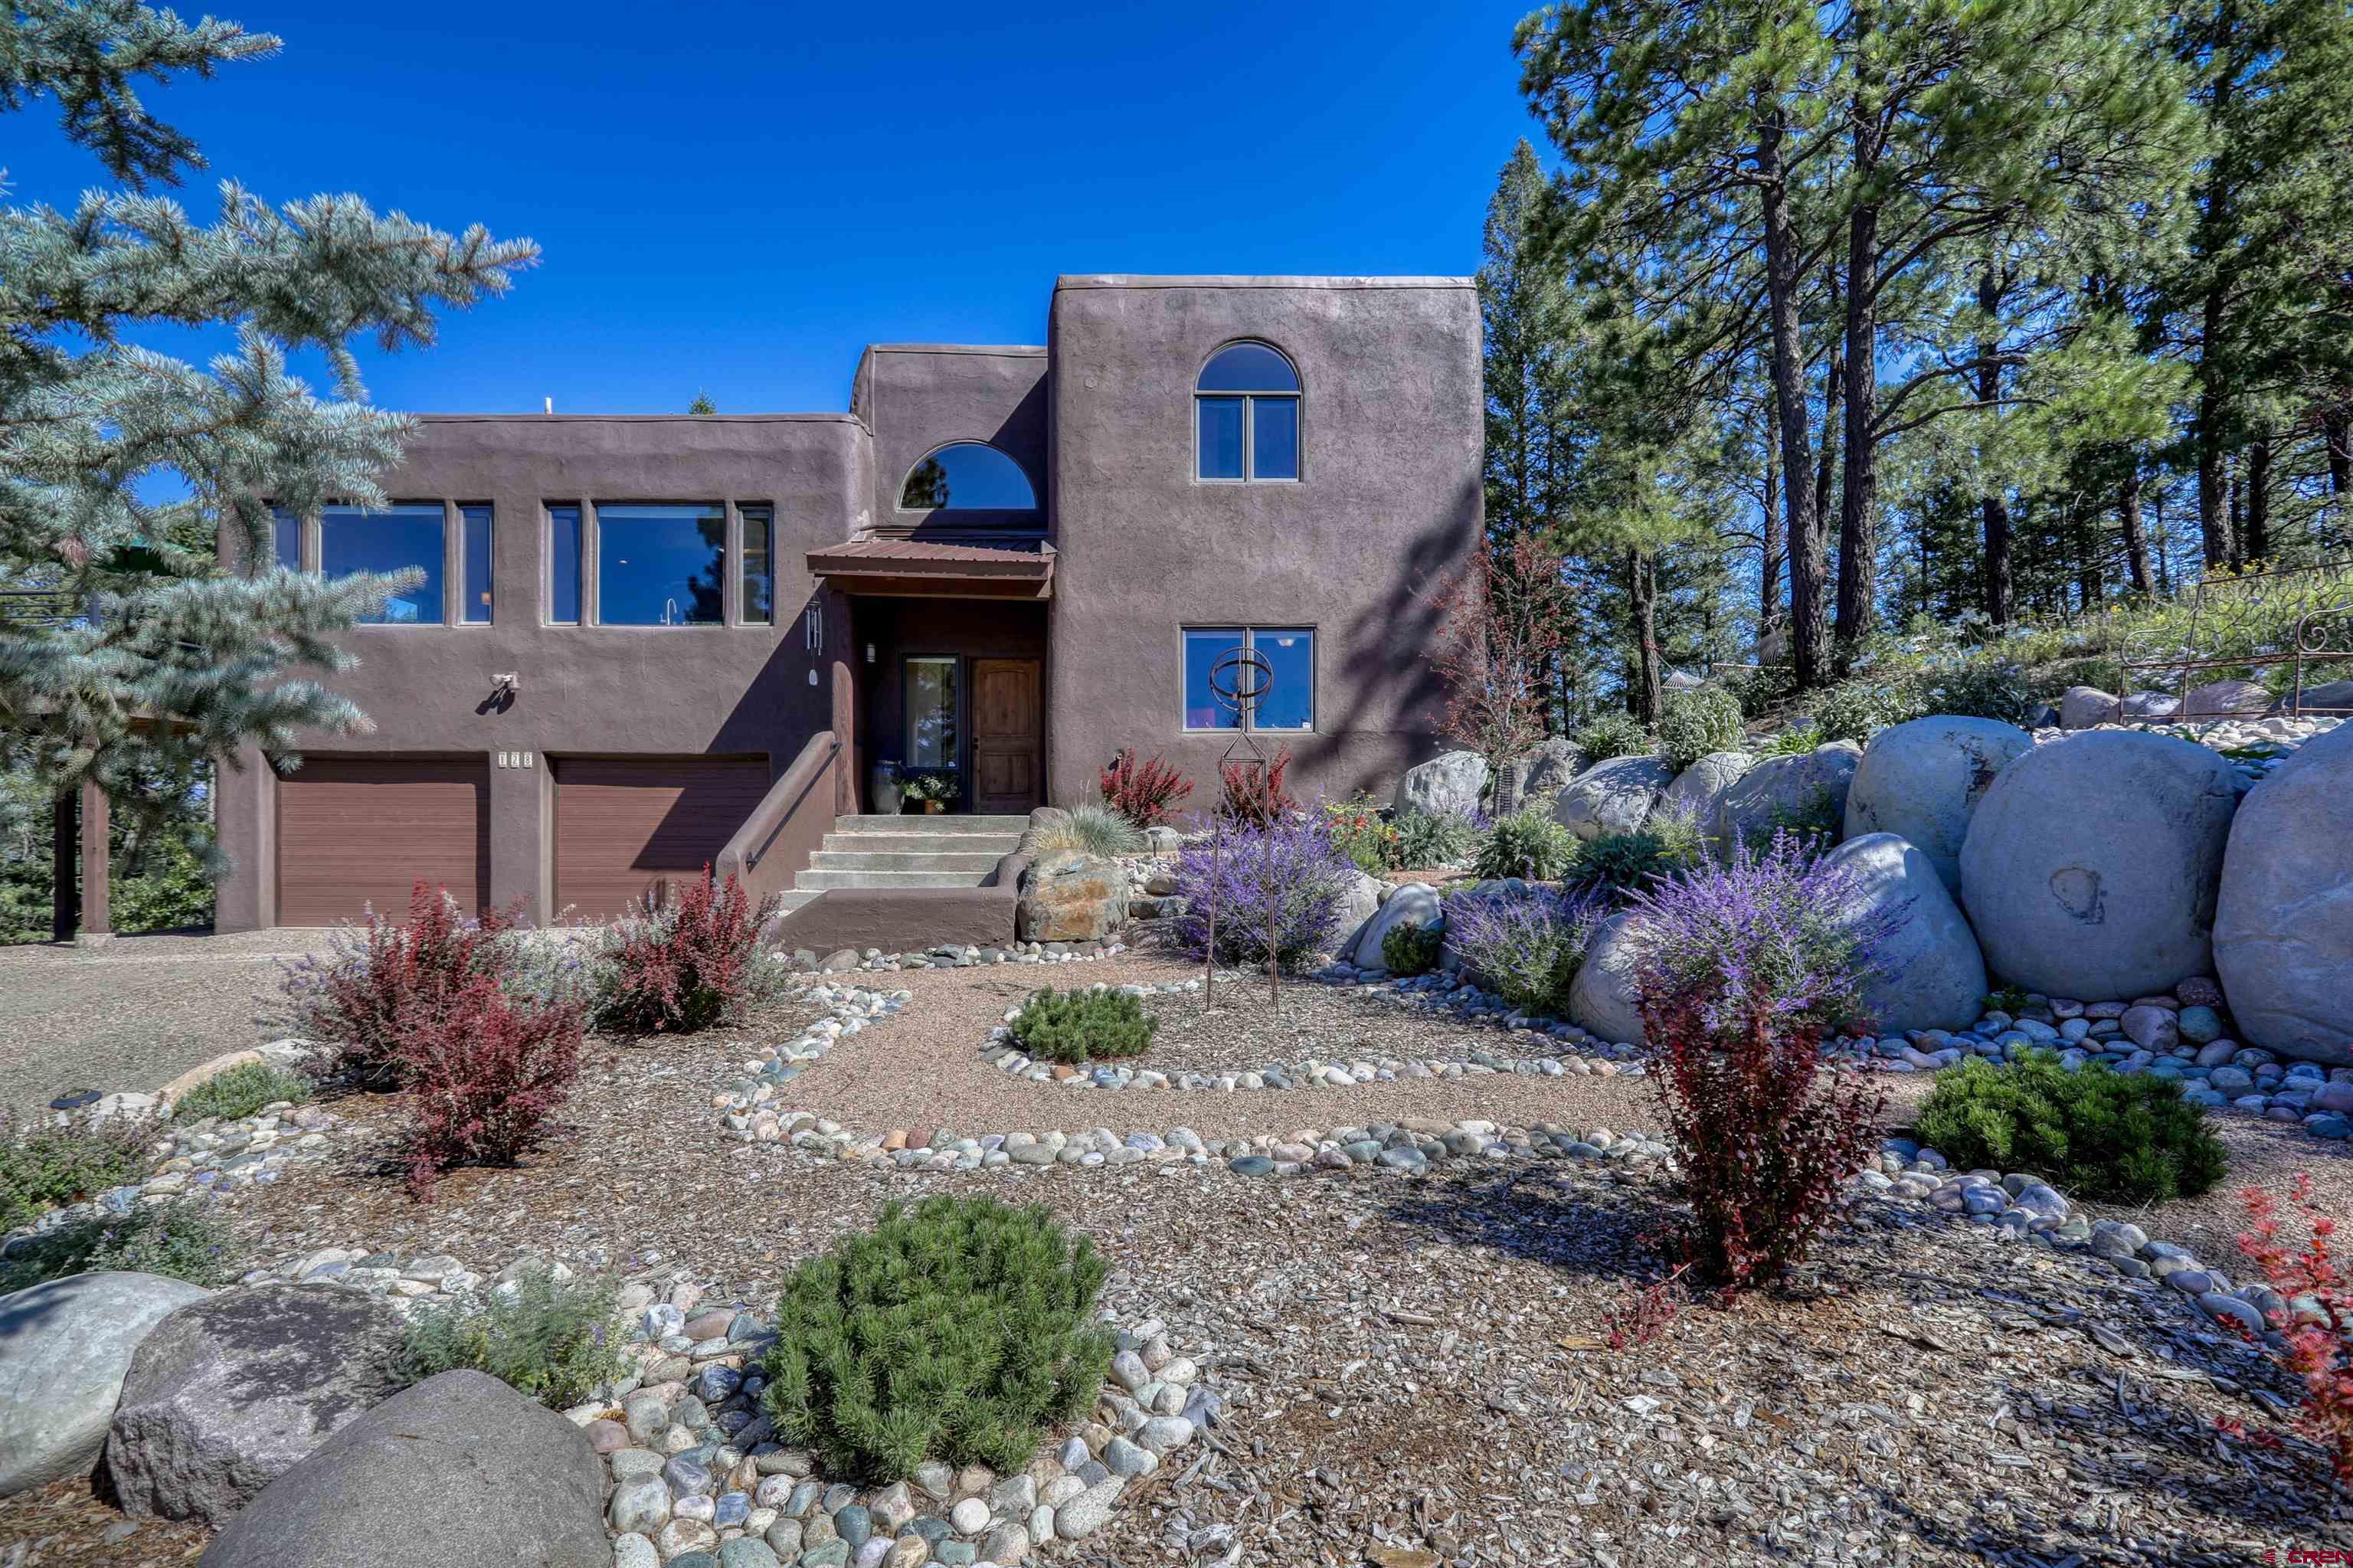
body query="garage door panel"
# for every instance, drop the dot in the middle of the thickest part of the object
(625, 826)
(359, 832)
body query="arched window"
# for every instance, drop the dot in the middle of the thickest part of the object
(1246, 415)
(969, 476)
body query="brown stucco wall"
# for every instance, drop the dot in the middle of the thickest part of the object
(917, 397)
(654, 690)
(1388, 501)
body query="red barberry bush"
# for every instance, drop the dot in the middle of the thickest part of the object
(386, 979)
(2317, 1327)
(1146, 793)
(1254, 795)
(484, 1075)
(1743, 967)
(684, 966)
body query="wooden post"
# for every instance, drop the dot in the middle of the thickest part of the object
(95, 818)
(64, 907)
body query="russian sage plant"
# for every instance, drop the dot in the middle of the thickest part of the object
(1282, 883)
(1525, 946)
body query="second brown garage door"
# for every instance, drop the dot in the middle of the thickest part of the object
(358, 833)
(625, 826)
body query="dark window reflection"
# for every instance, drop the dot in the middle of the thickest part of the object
(391, 539)
(659, 566)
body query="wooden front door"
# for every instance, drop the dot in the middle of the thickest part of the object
(1007, 758)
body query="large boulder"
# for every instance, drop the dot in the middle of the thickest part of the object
(231, 1393)
(2283, 919)
(2091, 866)
(1805, 792)
(2084, 707)
(1921, 781)
(1698, 790)
(2150, 705)
(2327, 696)
(64, 1349)
(1451, 783)
(1414, 904)
(1603, 1000)
(1548, 773)
(1069, 896)
(1613, 797)
(1359, 905)
(1931, 975)
(458, 1469)
(2217, 698)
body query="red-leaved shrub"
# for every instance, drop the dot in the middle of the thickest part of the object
(1254, 793)
(2318, 1323)
(484, 1074)
(389, 977)
(685, 965)
(1144, 793)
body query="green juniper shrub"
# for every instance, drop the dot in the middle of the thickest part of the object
(244, 1090)
(1412, 949)
(54, 1162)
(1696, 722)
(551, 1338)
(179, 1240)
(1528, 843)
(1436, 838)
(2107, 1136)
(1078, 1026)
(957, 1330)
(1612, 734)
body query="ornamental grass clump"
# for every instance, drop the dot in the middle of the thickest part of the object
(1437, 838)
(1742, 970)
(1093, 1024)
(1097, 830)
(551, 1339)
(957, 1330)
(1526, 945)
(1615, 866)
(1281, 885)
(2108, 1136)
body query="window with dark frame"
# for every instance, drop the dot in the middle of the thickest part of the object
(352, 540)
(563, 542)
(1246, 417)
(1286, 705)
(480, 602)
(757, 575)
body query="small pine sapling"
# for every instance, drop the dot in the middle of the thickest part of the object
(1093, 1024)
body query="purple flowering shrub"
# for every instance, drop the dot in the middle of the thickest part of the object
(1743, 967)
(1285, 879)
(1525, 946)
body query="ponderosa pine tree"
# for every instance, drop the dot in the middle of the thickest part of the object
(122, 613)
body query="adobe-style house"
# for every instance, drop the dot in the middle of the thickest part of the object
(646, 643)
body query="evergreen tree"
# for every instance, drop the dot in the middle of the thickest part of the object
(124, 612)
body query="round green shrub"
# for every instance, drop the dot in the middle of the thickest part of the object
(1616, 865)
(1613, 734)
(957, 1330)
(2099, 1134)
(1860, 708)
(1082, 1026)
(1697, 721)
(1528, 843)
(242, 1091)
(1436, 838)
(549, 1338)
(1412, 949)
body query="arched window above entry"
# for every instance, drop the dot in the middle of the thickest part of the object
(967, 476)
(1246, 415)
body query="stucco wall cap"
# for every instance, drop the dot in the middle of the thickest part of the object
(635, 419)
(1141, 280)
(1006, 350)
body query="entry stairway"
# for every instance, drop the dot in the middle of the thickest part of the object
(907, 852)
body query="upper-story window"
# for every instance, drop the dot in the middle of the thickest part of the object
(1246, 415)
(341, 541)
(660, 565)
(968, 476)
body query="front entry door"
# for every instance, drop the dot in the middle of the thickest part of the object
(1007, 755)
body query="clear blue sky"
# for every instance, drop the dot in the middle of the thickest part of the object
(734, 199)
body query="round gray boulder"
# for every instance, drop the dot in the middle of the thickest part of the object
(2283, 919)
(1415, 903)
(231, 1393)
(1807, 792)
(1452, 782)
(1548, 773)
(1603, 999)
(2217, 698)
(1921, 781)
(2328, 695)
(2091, 866)
(64, 1348)
(1613, 797)
(1698, 790)
(1359, 905)
(458, 1469)
(2083, 707)
(1931, 973)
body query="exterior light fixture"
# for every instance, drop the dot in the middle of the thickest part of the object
(870, 652)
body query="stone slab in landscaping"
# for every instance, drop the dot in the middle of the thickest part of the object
(64, 1349)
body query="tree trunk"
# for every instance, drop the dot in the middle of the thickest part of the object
(1642, 589)
(2337, 426)
(2256, 539)
(1769, 603)
(1990, 506)
(1859, 486)
(2213, 396)
(2237, 555)
(1809, 646)
(2135, 538)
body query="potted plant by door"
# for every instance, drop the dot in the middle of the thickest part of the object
(932, 790)
(887, 792)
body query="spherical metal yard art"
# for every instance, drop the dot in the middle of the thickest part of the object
(1239, 681)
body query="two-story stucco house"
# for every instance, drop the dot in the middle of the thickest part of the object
(648, 643)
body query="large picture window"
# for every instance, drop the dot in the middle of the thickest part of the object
(353, 539)
(1246, 416)
(660, 565)
(1285, 701)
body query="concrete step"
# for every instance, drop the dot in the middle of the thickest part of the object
(978, 863)
(794, 898)
(923, 843)
(821, 880)
(947, 824)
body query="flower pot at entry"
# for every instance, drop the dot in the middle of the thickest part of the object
(934, 808)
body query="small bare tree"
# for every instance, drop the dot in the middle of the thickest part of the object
(1502, 634)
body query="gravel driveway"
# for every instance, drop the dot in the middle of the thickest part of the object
(134, 1014)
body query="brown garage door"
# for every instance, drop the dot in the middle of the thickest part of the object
(356, 833)
(625, 826)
